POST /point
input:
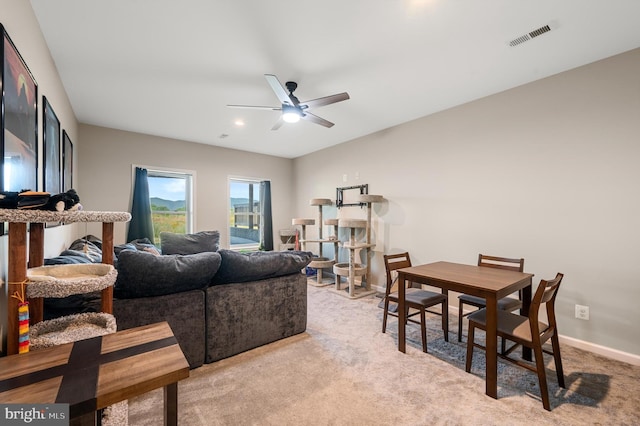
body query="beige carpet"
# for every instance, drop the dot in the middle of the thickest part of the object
(344, 371)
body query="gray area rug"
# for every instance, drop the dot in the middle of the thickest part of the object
(344, 371)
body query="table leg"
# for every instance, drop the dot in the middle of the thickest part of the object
(401, 313)
(171, 404)
(492, 347)
(526, 303)
(445, 315)
(88, 419)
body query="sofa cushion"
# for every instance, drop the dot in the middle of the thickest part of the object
(189, 243)
(243, 267)
(142, 244)
(143, 274)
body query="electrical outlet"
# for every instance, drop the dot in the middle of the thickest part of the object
(582, 312)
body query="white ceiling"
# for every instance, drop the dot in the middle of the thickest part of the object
(169, 68)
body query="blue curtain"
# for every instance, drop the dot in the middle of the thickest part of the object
(266, 228)
(141, 225)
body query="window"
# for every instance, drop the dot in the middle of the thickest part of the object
(244, 214)
(170, 195)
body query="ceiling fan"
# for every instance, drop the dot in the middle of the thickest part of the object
(292, 109)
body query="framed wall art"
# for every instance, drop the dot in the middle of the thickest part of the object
(67, 162)
(51, 176)
(18, 121)
(19, 136)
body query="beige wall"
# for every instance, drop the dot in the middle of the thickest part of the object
(20, 23)
(548, 171)
(105, 167)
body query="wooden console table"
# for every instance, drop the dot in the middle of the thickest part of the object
(92, 374)
(17, 263)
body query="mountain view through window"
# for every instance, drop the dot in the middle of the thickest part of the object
(170, 198)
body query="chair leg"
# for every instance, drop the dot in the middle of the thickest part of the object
(555, 345)
(423, 329)
(542, 376)
(460, 316)
(470, 337)
(384, 315)
(445, 320)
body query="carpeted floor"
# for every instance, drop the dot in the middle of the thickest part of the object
(344, 371)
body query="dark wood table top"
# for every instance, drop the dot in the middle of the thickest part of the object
(469, 279)
(94, 373)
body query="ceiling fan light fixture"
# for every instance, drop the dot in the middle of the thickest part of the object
(290, 114)
(292, 110)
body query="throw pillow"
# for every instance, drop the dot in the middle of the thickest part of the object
(243, 267)
(143, 274)
(199, 242)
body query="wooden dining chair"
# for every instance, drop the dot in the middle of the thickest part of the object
(508, 303)
(415, 298)
(528, 331)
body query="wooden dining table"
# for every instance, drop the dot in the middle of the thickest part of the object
(491, 284)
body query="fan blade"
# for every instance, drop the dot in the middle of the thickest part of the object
(279, 90)
(315, 119)
(255, 107)
(278, 124)
(327, 100)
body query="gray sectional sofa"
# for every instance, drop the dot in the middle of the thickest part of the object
(223, 320)
(218, 303)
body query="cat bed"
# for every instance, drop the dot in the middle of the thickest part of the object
(321, 263)
(342, 269)
(71, 328)
(66, 280)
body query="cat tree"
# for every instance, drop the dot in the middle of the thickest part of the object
(353, 268)
(359, 231)
(320, 262)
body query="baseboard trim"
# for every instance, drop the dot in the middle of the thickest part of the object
(601, 350)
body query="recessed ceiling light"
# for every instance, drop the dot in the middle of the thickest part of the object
(239, 123)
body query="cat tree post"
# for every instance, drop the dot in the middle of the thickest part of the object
(303, 223)
(369, 199)
(333, 223)
(320, 263)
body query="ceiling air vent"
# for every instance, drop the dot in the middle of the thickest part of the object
(529, 36)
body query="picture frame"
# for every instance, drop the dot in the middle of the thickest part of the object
(344, 198)
(67, 162)
(18, 121)
(51, 149)
(51, 153)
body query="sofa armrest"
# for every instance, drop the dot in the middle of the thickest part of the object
(183, 311)
(243, 316)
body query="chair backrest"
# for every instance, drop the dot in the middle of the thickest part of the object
(393, 262)
(545, 294)
(501, 263)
